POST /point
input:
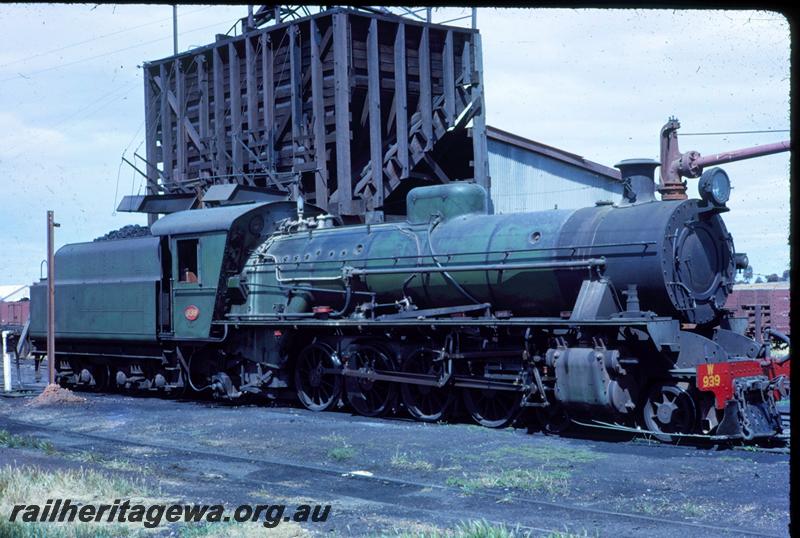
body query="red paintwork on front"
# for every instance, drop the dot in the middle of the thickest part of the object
(718, 377)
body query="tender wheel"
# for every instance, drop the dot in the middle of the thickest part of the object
(100, 378)
(317, 378)
(368, 397)
(492, 408)
(425, 402)
(669, 409)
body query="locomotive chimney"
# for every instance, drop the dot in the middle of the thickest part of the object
(638, 179)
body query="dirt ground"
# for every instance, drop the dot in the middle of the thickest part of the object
(398, 477)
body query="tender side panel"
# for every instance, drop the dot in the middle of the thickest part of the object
(105, 290)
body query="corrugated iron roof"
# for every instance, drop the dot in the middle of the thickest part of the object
(555, 153)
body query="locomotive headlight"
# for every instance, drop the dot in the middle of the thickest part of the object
(715, 186)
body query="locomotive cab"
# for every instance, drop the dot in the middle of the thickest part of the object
(208, 248)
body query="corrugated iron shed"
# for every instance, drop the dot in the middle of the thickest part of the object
(530, 176)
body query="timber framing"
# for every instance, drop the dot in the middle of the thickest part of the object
(343, 106)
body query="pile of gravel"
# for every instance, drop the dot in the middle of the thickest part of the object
(126, 232)
(56, 395)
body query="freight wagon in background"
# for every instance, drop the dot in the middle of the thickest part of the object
(765, 305)
(14, 313)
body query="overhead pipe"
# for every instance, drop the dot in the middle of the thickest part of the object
(675, 165)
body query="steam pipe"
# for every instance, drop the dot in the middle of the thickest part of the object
(694, 164)
(675, 164)
(747, 153)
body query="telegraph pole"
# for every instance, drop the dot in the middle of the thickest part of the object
(51, 300)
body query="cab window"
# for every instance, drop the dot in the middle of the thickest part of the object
(187, 261)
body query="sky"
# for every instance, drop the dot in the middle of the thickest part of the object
(595, 82)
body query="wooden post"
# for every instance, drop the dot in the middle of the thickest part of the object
(374, 106)
(401, 99)
(51, 300)
(341, 77)
(318, 113)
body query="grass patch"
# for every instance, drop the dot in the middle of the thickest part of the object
(691, 509)
(10, 440)
(116, 464)
(16, 529)
(661, 506)
(240, 530)
(562, 454)
(553, 482)
(401, 460)
(652, 507)
(570, 534)
(472, 529)
(484, 529)
(343, 451)
(25, 484)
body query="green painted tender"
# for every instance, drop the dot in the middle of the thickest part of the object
(105, 290)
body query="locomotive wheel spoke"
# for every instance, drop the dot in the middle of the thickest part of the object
(424, 402)
(367, 397)
(316, 389)
(492, 408)
(669, 409)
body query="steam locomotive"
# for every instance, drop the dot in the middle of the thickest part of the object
(613, 312)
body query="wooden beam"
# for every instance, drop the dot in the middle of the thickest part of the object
(341, 78)
(187, 125)
(180, 139)
(318, 112)
(466, 75)
(294, 86)
(401, 98)
(150, 136)
(252, 88)
(449, 79)
(267, 57)
(202, 80)
(150, 131)
(374, 100)
(480, 148)
(166, 123)
(437, 170)
(221, 163)
(237, 152)
(425, 96)
(280, 131)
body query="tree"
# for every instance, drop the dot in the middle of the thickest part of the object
(786, 275)
(747, 274)
(773, 278)
(759, 280)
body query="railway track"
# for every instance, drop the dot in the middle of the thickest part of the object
(345, 483)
